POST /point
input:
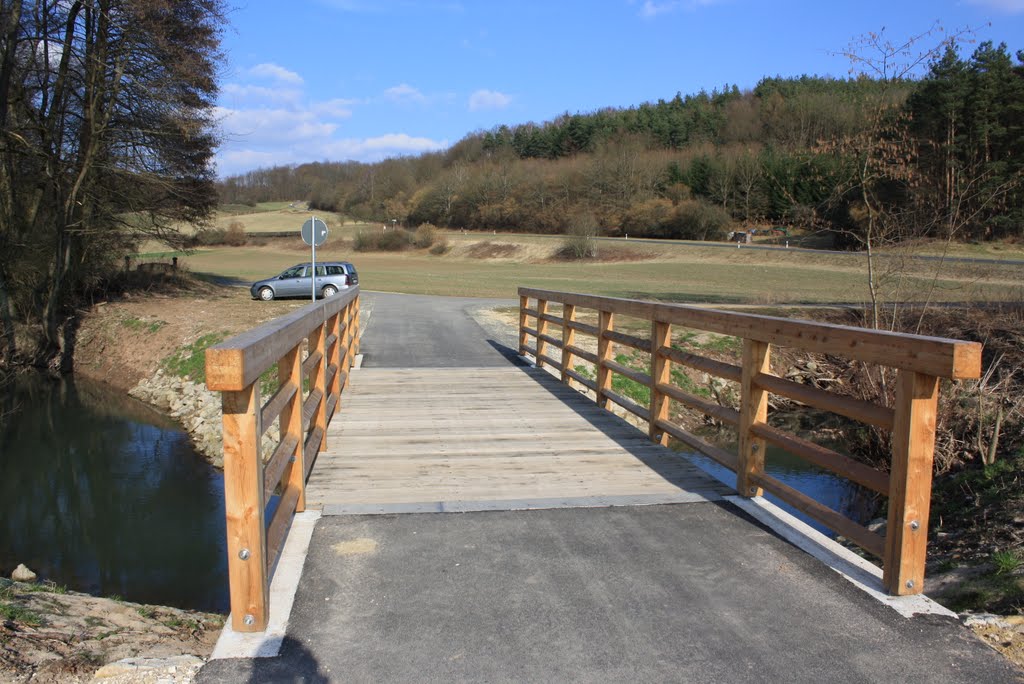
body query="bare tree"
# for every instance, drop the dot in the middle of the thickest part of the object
(107, 136)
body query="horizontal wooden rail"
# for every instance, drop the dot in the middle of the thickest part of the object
(919, 361)
(234, 368)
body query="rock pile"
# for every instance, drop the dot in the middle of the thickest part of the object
(197, 409)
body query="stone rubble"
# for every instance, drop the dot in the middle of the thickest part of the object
(197, 409)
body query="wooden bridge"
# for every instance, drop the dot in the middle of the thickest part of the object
(386, 440)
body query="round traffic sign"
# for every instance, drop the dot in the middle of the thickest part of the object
(314, 231)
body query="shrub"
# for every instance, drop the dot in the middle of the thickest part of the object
(426, 235)
(579, 242)
(235, 235)
(394, 240)
(696, 220)
(366, 240)
(440, 247)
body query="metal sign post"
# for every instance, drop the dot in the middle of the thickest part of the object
(314, 233)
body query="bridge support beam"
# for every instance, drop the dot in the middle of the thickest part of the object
(753, 411)
(244, 511)
(910, 483)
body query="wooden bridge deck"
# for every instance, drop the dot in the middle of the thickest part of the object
(461, 439)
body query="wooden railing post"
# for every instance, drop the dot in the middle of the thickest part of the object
(542, 329)
(910, 483)
(568, 338)
(661, 373)
(289, 370)
(606, 323)
(317, 343)
(355, 327)
(244, 509)
(524, 304)
(753, 410)
(348, 342)
(334, 359)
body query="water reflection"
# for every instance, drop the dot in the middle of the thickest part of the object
(108, 497)
(823, 486)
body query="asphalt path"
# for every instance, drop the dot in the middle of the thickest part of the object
(420, 331)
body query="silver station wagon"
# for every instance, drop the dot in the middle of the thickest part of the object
(331, 276)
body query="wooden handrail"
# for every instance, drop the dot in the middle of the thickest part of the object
(329, 331)
(920, 361)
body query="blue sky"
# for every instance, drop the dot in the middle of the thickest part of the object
(316, 80)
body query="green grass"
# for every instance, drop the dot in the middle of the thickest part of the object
(676, 273)
(139, 325)
(1006, 562)
(190, 361)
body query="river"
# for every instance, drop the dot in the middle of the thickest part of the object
(104, 495)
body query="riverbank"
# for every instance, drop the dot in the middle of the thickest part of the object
(49, 634)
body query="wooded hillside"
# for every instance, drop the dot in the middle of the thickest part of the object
(868, 158)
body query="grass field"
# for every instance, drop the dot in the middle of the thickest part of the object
(496, 265)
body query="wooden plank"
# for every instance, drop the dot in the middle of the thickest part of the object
(863, 411)
(279, 525)
(726, 371)
(604, 355)
(863, 537)
(523, 314)
(568, 340)
(582, 353)
(629, 341)
(277, 403)
(722, 413)
(544, 358)
(718, 454)
(628, 404)
(289, 372)
(310, 449)
(239, 361)
(753, 410)
(661, 375)
(823, 457)
(910, 482)
(279, 465)
(583, 380)
(311, 405)
(557, 320)
(553, 341)
(579, 326)
(631, 373)
(457, 445)
(311, 362)
(244, 511)
(937, 356)
(542, 334)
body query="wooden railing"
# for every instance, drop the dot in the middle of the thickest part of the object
(313, 349)
(919, 361)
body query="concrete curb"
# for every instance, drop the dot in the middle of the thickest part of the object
(860, 572)
(283, 586)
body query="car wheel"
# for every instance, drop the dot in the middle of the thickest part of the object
(330, 291)
(266, 294)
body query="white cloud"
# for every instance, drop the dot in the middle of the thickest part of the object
(379, 147)
(488, 99)
(276, 73)
(272, 125)
(1007, 6)
(360, 149)
(405, 93)
(261, 93)
(651, 8)
(338, 108)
